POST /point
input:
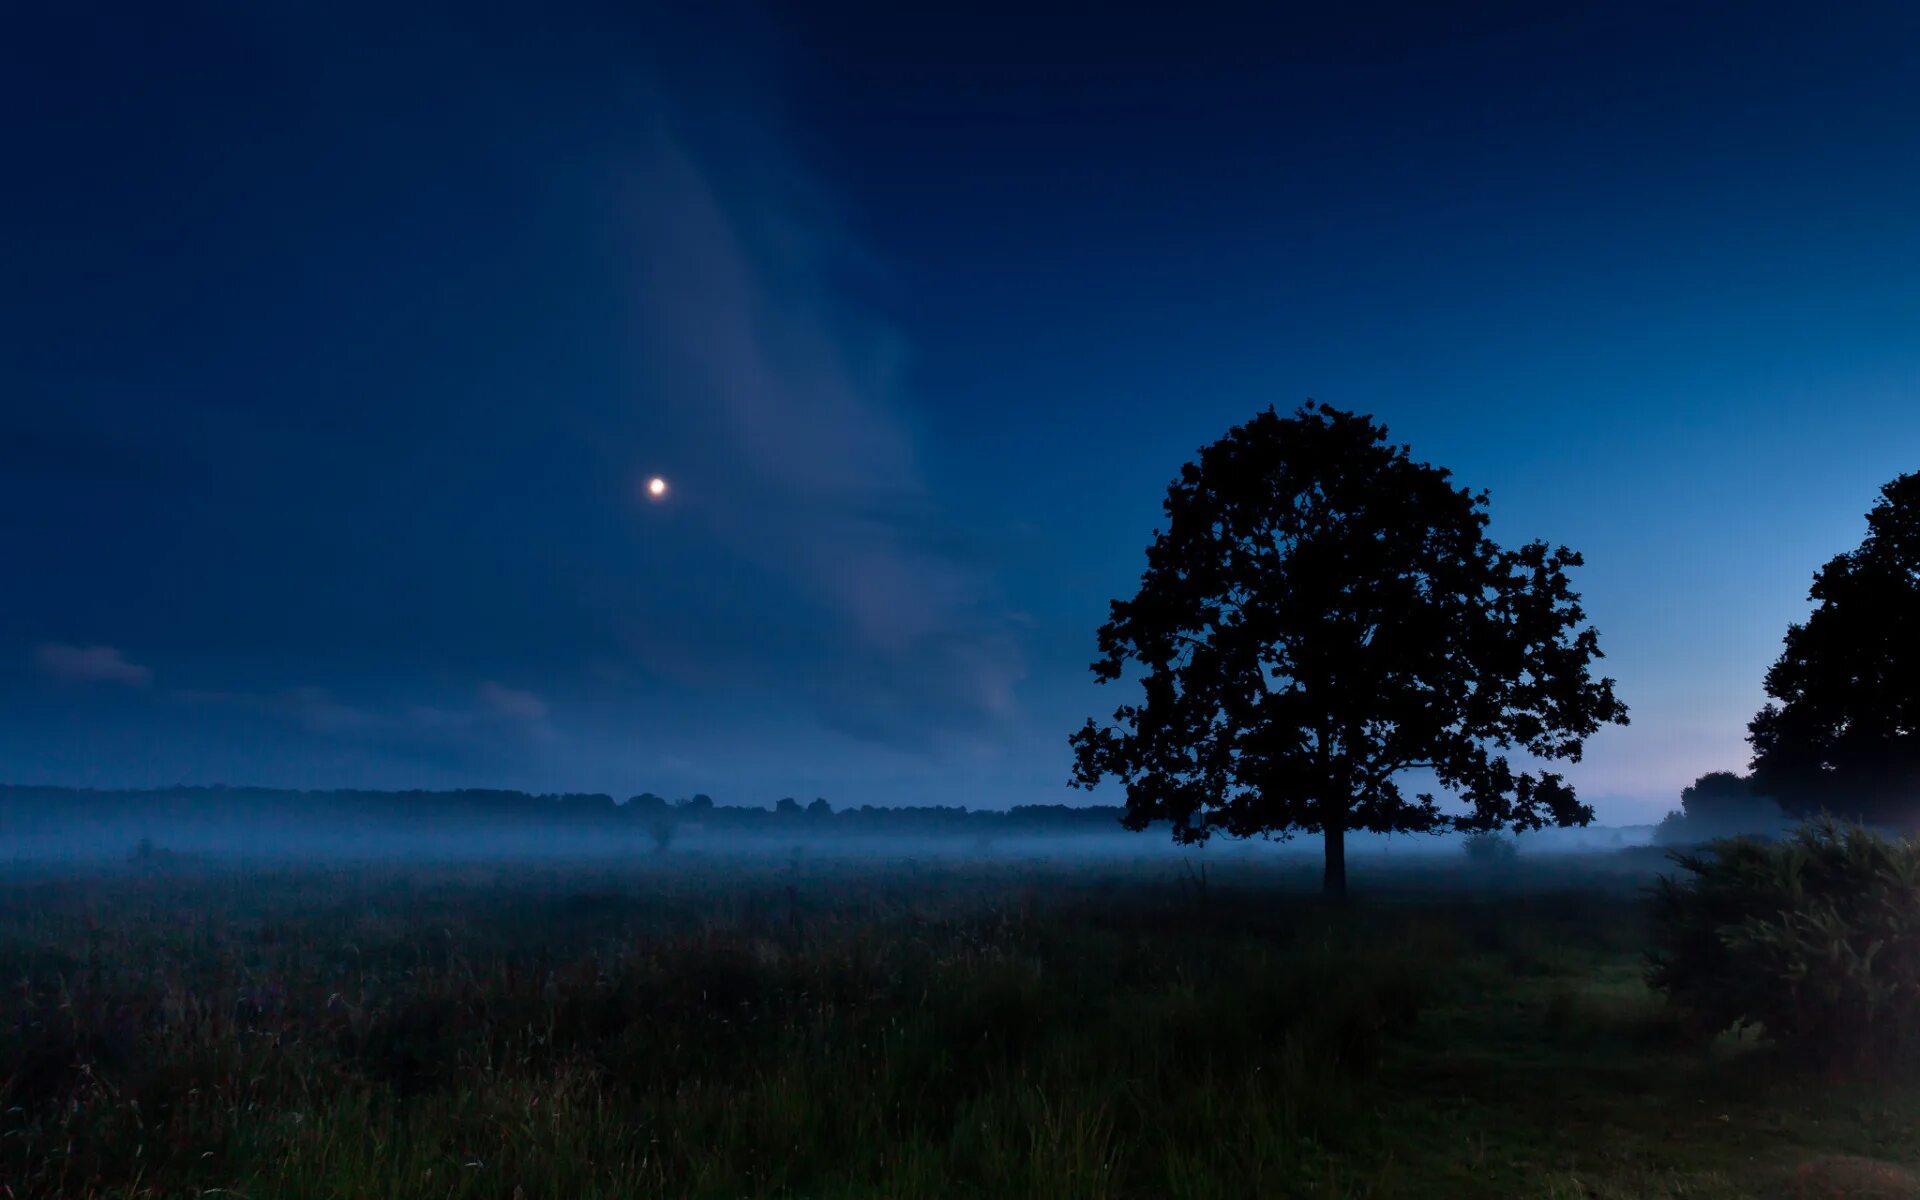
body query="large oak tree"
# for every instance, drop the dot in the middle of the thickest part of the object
(1842, 732)
(1323, 615)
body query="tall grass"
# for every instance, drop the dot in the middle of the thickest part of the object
(506, 1032)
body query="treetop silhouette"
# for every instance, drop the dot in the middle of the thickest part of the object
(1842, 731)
(1323, 614)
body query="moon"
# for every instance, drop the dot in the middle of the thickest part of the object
(656, 487)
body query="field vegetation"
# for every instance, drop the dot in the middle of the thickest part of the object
(702, 1027)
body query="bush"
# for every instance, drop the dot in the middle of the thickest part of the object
(1490, 849)
(1719, 804)
(1673, 830)
(662, 831)
(1814, 939)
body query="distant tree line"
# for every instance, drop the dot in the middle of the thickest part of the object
(33, 809)
(817, 813)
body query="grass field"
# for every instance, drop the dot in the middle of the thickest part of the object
(696, 1027)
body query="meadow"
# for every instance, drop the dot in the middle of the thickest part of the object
(694, 1025)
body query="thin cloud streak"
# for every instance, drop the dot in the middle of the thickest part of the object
(89, 664)
(512, 702)
(797, 397)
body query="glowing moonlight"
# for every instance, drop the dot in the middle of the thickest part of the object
(656, 487)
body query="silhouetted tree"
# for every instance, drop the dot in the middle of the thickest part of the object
(646, 804)
(788, 807)
(662, 829)
(1718, 797)
(1842, 732)
(820, 808)
(1719, 804)
(1490, 850)
(1322, 614)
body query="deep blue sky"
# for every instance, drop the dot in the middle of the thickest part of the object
(339, 342)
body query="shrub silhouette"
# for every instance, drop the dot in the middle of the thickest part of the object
(1814, 939)
(1719, 804)
(1490, 849)
(662, 831)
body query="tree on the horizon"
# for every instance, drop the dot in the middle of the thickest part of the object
(1719, 804)
(1323, 614)
(647, 804)
(1842, 731)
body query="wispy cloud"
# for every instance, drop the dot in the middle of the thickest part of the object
(511, 702)
(89, 664)
(796, 396)
(318, 710)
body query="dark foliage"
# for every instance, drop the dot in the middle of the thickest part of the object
(1842, 732)
(1815, 939)
(1322, 614)
(1488, 849)
(1720, 804)
(159, 813)
(663, 830)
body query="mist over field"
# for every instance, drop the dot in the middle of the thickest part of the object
(46, 827)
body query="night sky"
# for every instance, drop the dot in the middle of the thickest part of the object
(340, 342)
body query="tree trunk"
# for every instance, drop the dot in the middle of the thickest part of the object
(1334, 883)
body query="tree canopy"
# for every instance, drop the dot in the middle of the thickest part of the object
(1842, 731)
(1720, 804)
(1322, 615)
